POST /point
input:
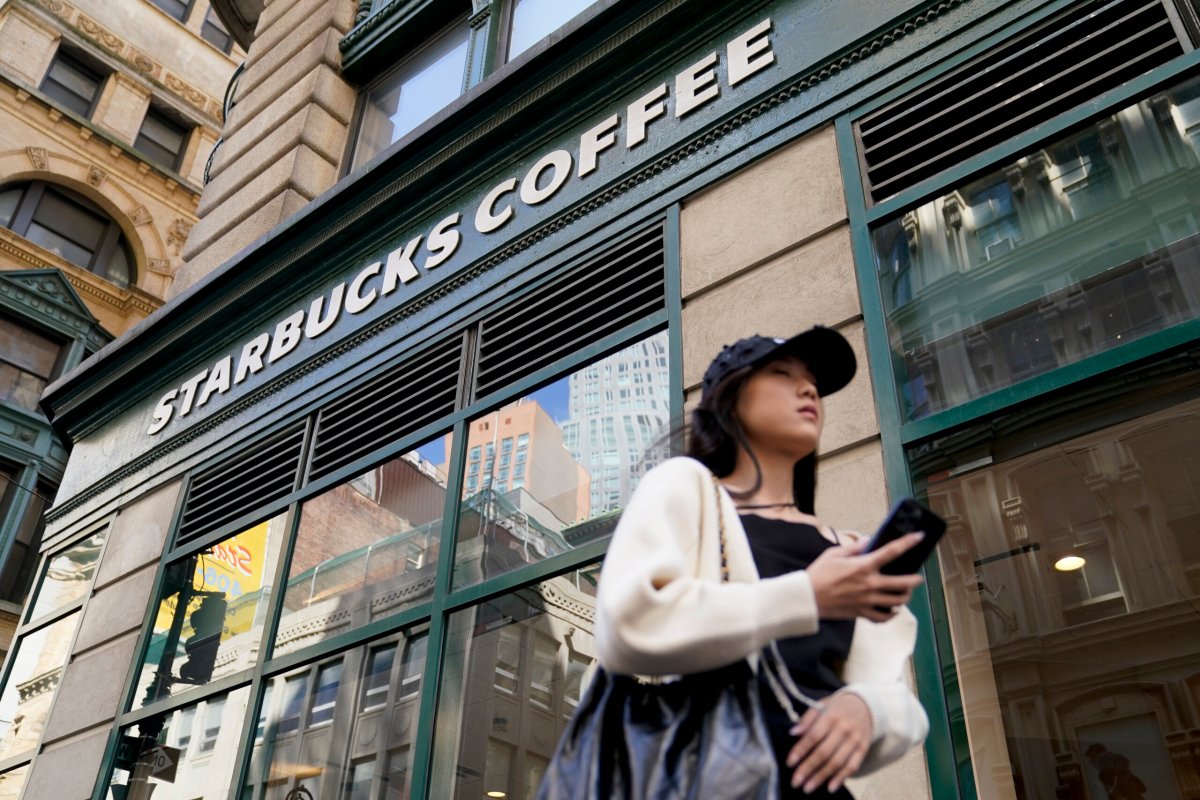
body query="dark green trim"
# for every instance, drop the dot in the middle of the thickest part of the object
(1077, 116)
(674, 275)
(940, 743)
(431, 682)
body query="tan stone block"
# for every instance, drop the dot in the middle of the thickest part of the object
(222, 246)
(850, 414)
(313, 42)
(267, 139)
(67, 770)
(236, 190)
(89, 695)
(116, 609)
(122, 107)
(781, 200)
(851, 488)
(138, 534)
(280, 19)
(26, 45)
(200, 146)
(812, 284)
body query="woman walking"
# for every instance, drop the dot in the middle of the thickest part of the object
(719, 559)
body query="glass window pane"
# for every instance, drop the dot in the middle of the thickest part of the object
(176, 8)
(17, 572)
(534, 20)
(119, 269)
(28, 349)
(1048, 259)
(68, 575)
(515, 668)
(1072, 578)
(366, 549)
(36, 671)
(581, 463)
(9, 198)
(202, 771)
(415, 92)
(161, 139)
(19, 387)
(12, 782)
(215, 33)
(72, 84)
(211, 615)
(356, 749)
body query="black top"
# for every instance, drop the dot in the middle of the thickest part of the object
(814, 661)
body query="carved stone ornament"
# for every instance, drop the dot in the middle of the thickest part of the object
(140, 215)
(189, 93)
(107, 39)
(161, 266)
(144, 63)
(178, 233)
(56, 7)
(96, 176)
(38, 157)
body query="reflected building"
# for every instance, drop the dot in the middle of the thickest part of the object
(618, 420)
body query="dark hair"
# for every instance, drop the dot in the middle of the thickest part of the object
(715, 434)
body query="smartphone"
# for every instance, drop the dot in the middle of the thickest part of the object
(908, 516)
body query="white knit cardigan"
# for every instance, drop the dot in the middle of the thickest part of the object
(662, 608)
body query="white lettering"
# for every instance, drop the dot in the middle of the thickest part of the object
(356, 301)
(750, 53)
(443, 241)
(486, 220)
(252, 357)
(642, 112)
(314, 326)
(189, 392)
(218, 380)
(162, 412)
(595, 141)
(560, 162)
(696, 85)
(287, 336)
(400, 268)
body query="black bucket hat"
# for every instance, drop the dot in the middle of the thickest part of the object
(825, 352)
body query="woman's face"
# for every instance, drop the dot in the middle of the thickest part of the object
(779, 408)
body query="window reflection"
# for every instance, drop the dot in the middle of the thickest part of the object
(32, 681)
(552, 470)
(1048, 259)
(12, 782)
(366, 549)
(359, 725)
(521, 662)
(185, 754)
(534, 20)
(211, 615)
(68, 575)
(418, 89)
(1072, 579)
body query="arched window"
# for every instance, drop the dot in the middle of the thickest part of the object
(71, 226)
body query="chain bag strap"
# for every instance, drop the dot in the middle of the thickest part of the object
(779, 678)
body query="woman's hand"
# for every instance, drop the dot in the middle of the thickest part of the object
(848, 585)
(832, 743)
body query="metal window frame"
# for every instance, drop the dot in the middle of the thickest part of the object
(934, 654)
(434, 613)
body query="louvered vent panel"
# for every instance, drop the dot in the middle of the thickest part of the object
(1085, 51)
(251, 479)
(411, 395)
(617, 287)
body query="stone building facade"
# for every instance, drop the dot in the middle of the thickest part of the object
(424, 213)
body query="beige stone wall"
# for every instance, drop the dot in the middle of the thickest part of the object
(87, 701)
(285, 138)
(150, 56)
(768, 251)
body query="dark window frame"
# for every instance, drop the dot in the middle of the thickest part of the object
(212, 22)
(80, 64)
(32, 194)
(170, 121)
(188, 7)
